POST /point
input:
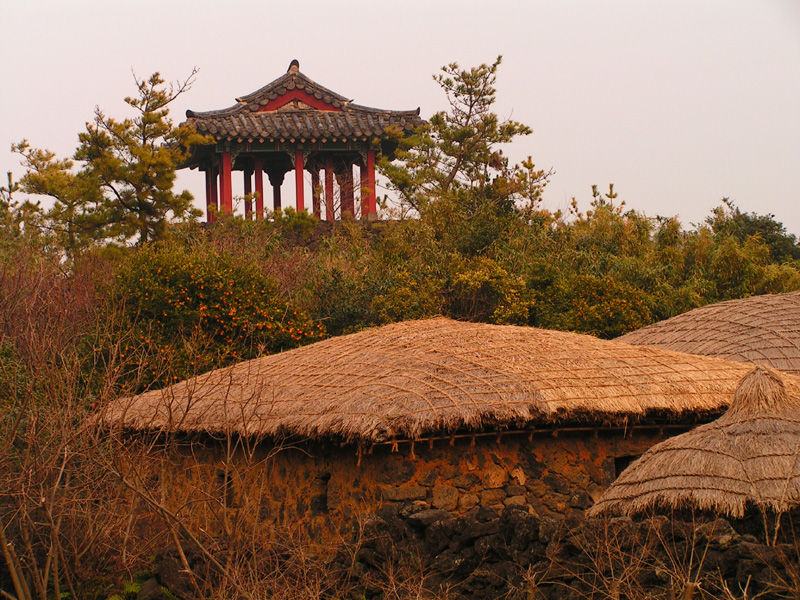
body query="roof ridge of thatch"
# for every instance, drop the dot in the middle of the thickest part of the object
(761, 393)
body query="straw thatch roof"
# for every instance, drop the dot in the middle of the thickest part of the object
(437, 376)
(762, 330)
(749, 456)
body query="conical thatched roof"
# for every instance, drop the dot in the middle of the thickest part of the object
(437, 376)
(749, 456)
(762, 330)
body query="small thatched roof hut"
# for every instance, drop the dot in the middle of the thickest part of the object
(420, 377)
(762, 330)
(748, 457)
(455, 415)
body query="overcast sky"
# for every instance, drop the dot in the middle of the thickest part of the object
(678, 103)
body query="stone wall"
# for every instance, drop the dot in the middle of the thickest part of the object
(324, 488)
(410, 550)
(487, 554)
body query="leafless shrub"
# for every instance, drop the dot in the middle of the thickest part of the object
(59, 512)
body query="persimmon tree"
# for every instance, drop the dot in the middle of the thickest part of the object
(195, 310)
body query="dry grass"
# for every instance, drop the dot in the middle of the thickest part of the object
(437, 375)
(762, 330)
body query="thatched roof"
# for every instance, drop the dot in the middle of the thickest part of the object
(437, 376)
(762, 330)
(748, 457)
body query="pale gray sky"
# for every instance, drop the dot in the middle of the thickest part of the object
(678, 103)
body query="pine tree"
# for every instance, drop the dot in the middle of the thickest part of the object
(459, 149)
(76, 219)
(123, 190)
(134, 160)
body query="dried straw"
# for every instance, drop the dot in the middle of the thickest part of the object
(762, 330)
(748, 457)
(437, 375)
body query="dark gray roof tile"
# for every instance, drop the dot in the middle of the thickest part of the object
(350, 120)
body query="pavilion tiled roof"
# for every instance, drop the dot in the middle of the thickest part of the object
(333, 117)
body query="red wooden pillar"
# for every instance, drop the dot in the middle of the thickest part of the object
(372, 211)
(364, 192)
(248, 192)
(329, 208)
(315, 192)
(225, 187)
(259, 176)
(299, 182)
(215, 189)
(211, 194)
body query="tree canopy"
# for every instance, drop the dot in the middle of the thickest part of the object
(123, 189)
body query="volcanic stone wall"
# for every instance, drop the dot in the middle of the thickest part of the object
(323, 488)
(487, 554)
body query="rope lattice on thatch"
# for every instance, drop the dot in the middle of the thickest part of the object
(437, 375)
(762, 330)
(748, 457)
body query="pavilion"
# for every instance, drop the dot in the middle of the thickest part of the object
(293, 123)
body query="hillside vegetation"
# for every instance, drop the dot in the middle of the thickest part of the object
(117, 288)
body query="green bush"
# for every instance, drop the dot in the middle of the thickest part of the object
(194, 310)
(607, 308)
(482, 290)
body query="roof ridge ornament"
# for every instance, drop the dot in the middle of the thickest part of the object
(294, 67)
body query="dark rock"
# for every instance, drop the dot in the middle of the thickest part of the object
(428, 477)
(447, 562)
(439, 534)
(648, 578)
(389, 521)
(465, 481)
(424, 518)
(619, 524)
(515, 490)
(408, 492)
(548, 528)
(478, 529)
(486, 513)
(171, 573)
(491, 546)
(749, 538)
(386, 512)
(609, 471)
(152, 590)
(576, 520)
(557, 483)
(319, 504)
(444, 497)
(396, 470)
(580, 500)
(518, 501)
(533, 468)
(492, 497)
(504, 461)
(519, 529)
(536, 504)
(411, 508)
(719, 532)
